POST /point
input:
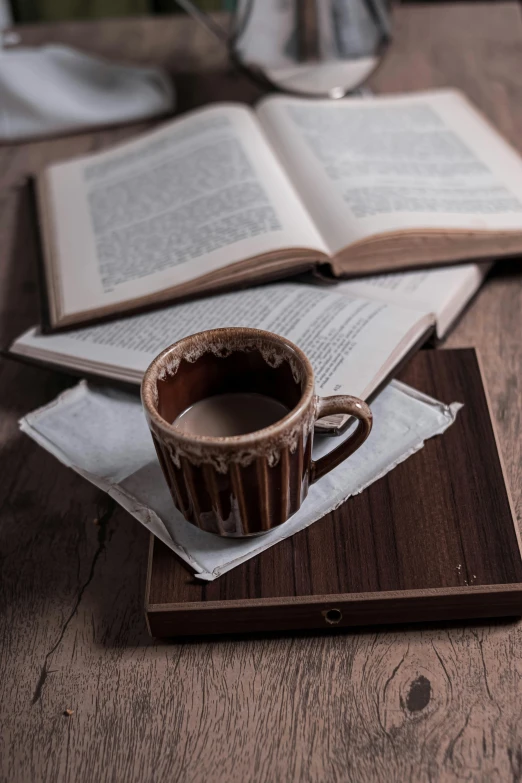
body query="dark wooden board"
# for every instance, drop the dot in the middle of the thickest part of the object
(433, 540)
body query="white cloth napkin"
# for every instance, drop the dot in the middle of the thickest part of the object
(55, 89)
(115, 452)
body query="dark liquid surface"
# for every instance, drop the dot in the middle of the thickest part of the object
(230, 414)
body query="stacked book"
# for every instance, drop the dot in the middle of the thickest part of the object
(165, 232)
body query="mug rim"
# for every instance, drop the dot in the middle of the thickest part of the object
(248, 440)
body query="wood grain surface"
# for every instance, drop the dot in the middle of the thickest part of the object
(372, 560)
(429, 704)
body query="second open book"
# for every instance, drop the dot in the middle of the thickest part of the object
(355, 333)
(227, 196)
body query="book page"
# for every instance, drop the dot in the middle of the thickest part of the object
(197, 195)
(443, 292)
(348, 340)
(377, 165)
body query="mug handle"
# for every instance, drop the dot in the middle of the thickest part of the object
(342, 403)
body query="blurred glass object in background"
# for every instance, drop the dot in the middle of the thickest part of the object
(319, 48)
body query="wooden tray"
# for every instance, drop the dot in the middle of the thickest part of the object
(435, 539)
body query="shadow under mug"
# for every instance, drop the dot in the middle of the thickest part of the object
(242, 485)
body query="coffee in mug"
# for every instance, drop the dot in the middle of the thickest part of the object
(232, 414)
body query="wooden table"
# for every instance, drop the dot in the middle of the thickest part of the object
(420, 704)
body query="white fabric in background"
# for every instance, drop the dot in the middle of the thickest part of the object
(5, 14)
(115, 452)
(55, 89)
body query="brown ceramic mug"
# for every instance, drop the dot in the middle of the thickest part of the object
(247, 484)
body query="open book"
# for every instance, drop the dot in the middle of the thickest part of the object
(355, 334)
(227, 195)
